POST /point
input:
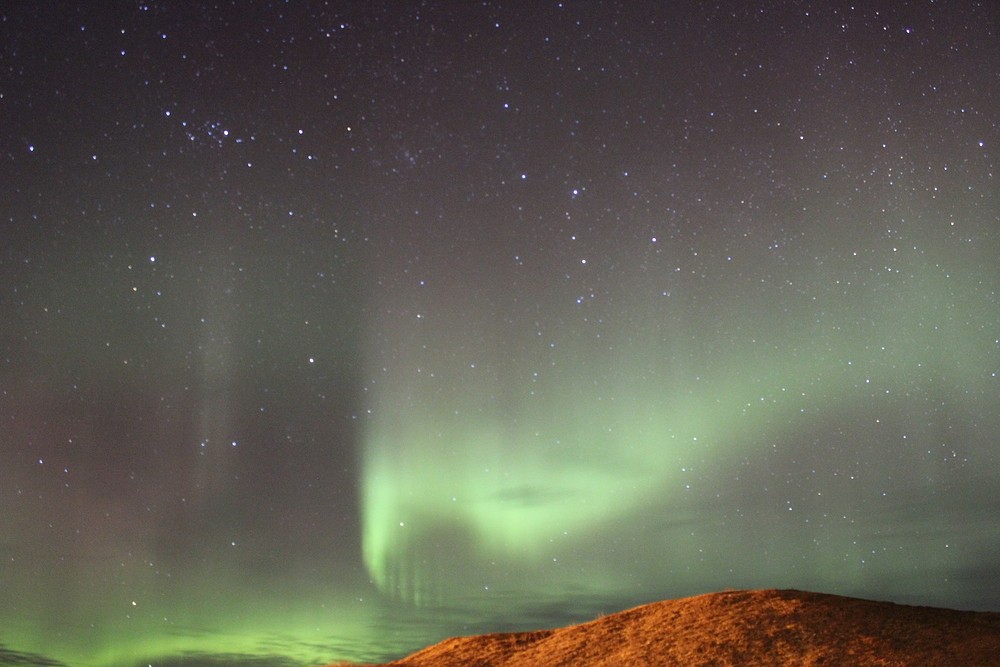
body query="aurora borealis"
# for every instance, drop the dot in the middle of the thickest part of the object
(330, 329)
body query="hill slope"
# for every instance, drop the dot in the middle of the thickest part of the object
(768, 627)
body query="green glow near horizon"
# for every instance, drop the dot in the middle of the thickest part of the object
(469, 462)
(211, 618)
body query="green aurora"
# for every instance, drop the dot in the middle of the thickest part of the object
(483, 466)
(330, 330)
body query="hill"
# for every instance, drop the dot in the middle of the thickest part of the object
(765, 627)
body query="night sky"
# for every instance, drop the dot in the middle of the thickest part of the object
(330, 329)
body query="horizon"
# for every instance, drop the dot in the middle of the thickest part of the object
(328, 331)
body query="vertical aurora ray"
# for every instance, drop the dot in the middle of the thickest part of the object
(482, 460)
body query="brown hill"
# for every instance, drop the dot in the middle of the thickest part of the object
(768, 627)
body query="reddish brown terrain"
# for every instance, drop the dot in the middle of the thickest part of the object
(767, 627)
